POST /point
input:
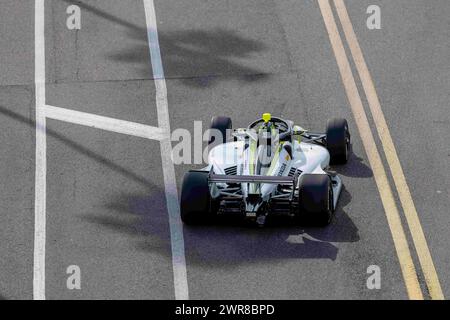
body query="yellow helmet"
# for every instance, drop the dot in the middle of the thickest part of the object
(266, 117)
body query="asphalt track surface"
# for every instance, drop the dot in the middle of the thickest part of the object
(106, 209)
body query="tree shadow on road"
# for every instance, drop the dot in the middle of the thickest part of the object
(199, 58)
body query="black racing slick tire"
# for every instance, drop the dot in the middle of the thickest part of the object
(338, 141)
(315, 199)
(219, 125)
(195, 202)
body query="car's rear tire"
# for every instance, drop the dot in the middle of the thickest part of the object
(195, 202)
(315, 199)
(338, 141)
(221, 124)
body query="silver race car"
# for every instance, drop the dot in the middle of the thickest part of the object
(271, 167)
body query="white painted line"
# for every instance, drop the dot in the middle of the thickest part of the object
(104, 123)
(41, 154)
(162, 134)
(176, 227)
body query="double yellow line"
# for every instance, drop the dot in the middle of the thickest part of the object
(392, 213)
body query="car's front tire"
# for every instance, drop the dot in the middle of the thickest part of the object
(195, 202)
(338, 141)
(219, 125)
(315, 199)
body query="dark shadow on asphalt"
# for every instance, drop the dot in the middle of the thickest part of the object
(232, 243)
(354, 168)
(226, 243)
(199, 58)
(143, 219)
(81, 149)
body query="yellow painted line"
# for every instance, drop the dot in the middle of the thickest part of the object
(412, 218)
(398, 234)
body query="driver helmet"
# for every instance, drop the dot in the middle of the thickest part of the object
(268, 133)
(267, 129)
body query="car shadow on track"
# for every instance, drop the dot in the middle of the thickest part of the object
(233, 243)
(355, 168)
(199, 58)
(227, 243)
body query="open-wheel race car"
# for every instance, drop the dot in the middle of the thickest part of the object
(271, 167)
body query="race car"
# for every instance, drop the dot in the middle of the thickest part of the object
(272, 167)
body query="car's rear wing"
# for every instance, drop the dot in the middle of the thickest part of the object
(223, 178)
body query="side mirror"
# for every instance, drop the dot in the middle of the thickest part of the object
(298, 130)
